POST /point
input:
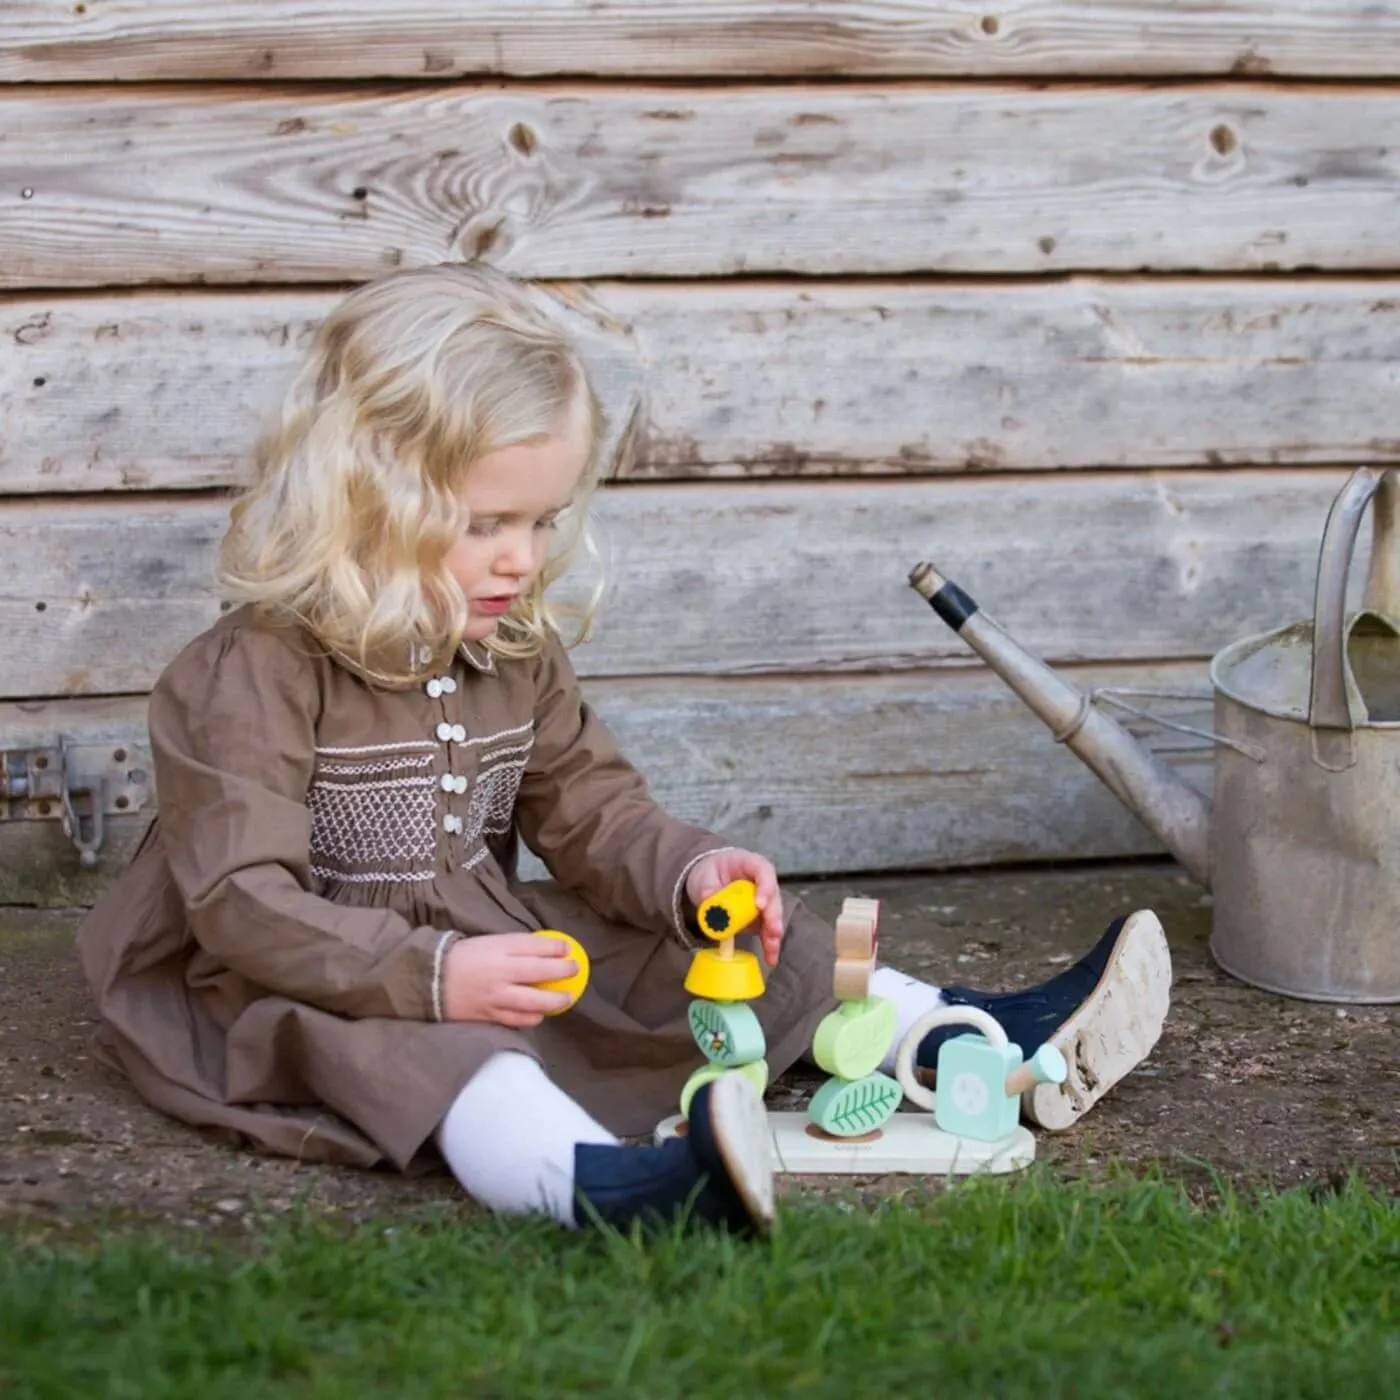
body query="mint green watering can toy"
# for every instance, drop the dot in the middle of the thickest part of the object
(981, 1077)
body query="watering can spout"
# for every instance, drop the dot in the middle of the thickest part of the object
(1177, 814)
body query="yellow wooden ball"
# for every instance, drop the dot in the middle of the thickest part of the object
(573, 985)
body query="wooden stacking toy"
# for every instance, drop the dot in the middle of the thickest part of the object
(723, 979)
(851, 1041)
(851, 1126)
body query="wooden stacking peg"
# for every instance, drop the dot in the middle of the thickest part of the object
(851, 1041)
(721, 979)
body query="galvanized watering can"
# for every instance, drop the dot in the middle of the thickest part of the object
(1301, 846)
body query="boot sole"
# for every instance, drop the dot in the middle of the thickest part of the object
(1114, 1030)
(739, 1125)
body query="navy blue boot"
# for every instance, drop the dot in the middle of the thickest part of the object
(719, 1174)
(1104, 1014)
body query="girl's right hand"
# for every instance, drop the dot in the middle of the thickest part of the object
(490, 977)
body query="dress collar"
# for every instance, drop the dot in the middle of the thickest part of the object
(477, 656)
(425, 663)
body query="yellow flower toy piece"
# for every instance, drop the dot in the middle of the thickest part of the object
(729, 910)
(573, 985)
(725, 973)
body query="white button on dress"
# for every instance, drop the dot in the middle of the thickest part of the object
(434, 688)
(444, 731)
(459, 733)
(449, 686)
(452, 823)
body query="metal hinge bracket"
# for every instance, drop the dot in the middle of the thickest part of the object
(80, 785)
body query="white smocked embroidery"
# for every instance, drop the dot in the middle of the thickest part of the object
(364, 832)
(401, 746)
(364, 825)
(491, 804)
(519, 731)
(372, 877)
(513, 753)
(337, 769)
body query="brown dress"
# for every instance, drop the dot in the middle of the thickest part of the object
(269, 962)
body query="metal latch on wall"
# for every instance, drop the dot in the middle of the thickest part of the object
(80, 785)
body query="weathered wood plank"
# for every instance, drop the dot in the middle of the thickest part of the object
(230, 184)
(96, 596)
(826, 775)
(56, 41)
(165, 390)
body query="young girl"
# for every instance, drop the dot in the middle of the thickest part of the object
(322, 945)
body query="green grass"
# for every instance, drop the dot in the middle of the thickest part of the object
(1028, 1289)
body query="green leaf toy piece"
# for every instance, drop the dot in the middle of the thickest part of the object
(844, 1108)
(727, 1033)
(852, 1040)
(756, 1072)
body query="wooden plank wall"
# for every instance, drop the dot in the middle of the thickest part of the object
(1093, 303)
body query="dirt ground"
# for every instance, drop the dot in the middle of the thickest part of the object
(1261, 1088)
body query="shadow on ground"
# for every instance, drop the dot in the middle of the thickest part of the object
(1261, 1088)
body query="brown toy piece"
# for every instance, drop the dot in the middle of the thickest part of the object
(857, 938)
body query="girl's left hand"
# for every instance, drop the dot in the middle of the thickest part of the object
(722, 868)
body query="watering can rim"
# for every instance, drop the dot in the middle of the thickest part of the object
(1232, 652)
(1334, 699)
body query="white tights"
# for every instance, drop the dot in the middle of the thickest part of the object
(509, 1136)
(911, 998)
(509, 1139)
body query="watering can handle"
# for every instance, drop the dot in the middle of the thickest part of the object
(943, 1016)
(1327, 703)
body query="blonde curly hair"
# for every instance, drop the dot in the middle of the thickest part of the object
(356, 496)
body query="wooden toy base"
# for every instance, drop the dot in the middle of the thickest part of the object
(909, 1142)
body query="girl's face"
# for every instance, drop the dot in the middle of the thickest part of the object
(513, 497)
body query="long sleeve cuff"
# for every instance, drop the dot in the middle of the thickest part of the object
(444, 943)
(688, 934)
